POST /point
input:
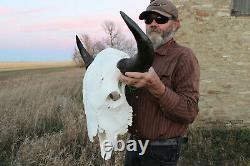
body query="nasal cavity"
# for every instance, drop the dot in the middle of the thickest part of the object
(114, 96)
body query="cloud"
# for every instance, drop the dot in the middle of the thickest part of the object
(75, 24)
(84, 23)
(36, 10)
(4, 10)
(70, 24)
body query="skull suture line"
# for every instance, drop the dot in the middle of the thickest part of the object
(107, 111)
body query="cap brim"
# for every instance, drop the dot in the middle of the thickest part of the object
(145, 13)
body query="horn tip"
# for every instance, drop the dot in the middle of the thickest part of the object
(77, 38)
(123, 14)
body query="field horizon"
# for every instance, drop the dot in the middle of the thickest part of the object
(10, 66)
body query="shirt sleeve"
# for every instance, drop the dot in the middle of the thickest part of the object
(180, 104)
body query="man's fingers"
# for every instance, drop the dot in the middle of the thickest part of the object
(136, 75)
(128, 80)
(122, 78)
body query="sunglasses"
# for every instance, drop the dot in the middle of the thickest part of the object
(158, 19)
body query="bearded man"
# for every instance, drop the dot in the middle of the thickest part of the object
(164, 99)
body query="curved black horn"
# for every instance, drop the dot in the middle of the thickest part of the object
(143, 60)
(84, 53)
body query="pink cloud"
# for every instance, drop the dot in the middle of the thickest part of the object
(36, 10)
(4, 10)
(69, 24)
(12, 21)
(92, 27)
(83, 23)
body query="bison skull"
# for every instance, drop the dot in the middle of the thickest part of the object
(107, 111)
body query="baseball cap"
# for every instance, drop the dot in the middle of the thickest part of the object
(163, 7)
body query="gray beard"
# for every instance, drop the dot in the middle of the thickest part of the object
(158, 38)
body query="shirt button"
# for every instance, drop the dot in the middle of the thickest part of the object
(136, 130)
(136, 97)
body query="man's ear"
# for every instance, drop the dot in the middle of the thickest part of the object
(177, 24)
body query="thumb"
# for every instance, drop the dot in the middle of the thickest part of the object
(151, 69)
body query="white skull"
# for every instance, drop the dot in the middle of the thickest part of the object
(107, 111)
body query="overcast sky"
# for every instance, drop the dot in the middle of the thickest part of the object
(44, 30)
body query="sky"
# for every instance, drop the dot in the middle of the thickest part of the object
(44, 30)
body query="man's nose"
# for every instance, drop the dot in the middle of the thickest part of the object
(153, 23)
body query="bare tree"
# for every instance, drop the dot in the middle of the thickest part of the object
(88, 43)
(128, 46)
(114, 39)
(93, 48)
(98, 47)
(113, 31)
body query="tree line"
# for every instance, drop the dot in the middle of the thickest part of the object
(114, 38)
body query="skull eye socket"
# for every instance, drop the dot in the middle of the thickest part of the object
(120, 85)
(114, 96)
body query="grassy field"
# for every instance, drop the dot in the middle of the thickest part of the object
(42, 123)
(10, 66)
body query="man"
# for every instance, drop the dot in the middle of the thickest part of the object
(164, 99)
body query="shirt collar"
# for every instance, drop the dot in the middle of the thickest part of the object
(163, 50)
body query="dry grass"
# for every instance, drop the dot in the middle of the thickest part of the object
(42, 122)
(10, 66)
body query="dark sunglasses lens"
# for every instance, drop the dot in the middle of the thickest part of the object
(158, 20)
(148, 20)
(161, 20)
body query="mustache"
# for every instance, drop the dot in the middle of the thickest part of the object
(153, 29)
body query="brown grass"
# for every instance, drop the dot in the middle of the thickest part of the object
(42, 120)
(10, 66)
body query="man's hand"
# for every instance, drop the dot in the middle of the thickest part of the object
(148, 80)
